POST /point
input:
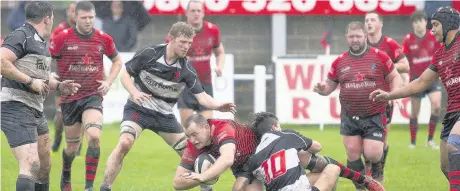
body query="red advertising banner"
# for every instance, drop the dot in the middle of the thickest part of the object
(289, 7)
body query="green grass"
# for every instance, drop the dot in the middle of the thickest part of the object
(151, 163)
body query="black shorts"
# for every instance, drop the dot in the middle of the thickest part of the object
(72, 112)
(369, 127)
(152, 120)
(187, 99)
(448, 123)
(435, 86)
(22, 124)
(389, 113)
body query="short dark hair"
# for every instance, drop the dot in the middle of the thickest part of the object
(262, 122)
(36, 11)
(378, 15)
(355, 25)
(418, 15)
(85, 6)
(182, 28)
(195, 118)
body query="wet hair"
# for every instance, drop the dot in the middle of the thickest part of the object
(262, 122)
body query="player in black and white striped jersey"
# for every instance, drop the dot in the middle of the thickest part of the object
(282, 156)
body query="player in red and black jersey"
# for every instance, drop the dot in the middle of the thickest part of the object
(206, 42)
(445, 64)
(375, 38)
(230, 142)
(419, 47)
(79, 52)
(58, 123)
(360, 71)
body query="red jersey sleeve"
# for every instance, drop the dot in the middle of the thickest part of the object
(224, 133)
(57, 44)
(396, 52)
(332, 74)
(189, 156)
(110, 48)
(405, 45)
(386, 62)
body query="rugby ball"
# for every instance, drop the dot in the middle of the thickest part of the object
(202, 163)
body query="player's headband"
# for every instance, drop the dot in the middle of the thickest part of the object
(449, 19)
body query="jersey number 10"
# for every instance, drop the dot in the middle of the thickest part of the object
(275, 166)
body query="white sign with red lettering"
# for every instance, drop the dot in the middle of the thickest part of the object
(296, 103)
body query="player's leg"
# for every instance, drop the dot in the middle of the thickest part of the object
(453, 149)
(92, 123)
(245, 181)
(71, 115)
(435, 99)
(386, 147)
(129, 132)
(351, 135)
(448, 123)
(374, 142)
(22, 138)
(58, 125)
(413, 122)
(444, 158)
(44, 152)
(327, 179)
(318, 163)
(167, 127)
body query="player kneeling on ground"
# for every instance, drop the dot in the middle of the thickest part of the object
(282, 155)
(160, 74)
(230, 142)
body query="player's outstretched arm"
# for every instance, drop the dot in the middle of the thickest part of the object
(416, 86)
(209, 102)
(402, 65)
(325, 87)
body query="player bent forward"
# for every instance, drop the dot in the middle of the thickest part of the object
(230, 142)
(160, 74)
(282, 156)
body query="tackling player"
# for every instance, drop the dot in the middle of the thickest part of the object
(161, 73)
(58, 123)
(79, 52)
(445, 65)
(26, 81)
(206, 41)
(362, 121)
(282, 156)
(419, 47)
(375, 38)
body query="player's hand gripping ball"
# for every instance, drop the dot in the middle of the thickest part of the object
(202, 163)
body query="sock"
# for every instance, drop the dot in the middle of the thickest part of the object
(454, 171)
(105, 188)
(432, 126)
(357, 166)
(25, 183)
(413, 125)
(384, 157)
(204, 187)
(377, 170)
(66, 166)
(92, 160)
(347, 172)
